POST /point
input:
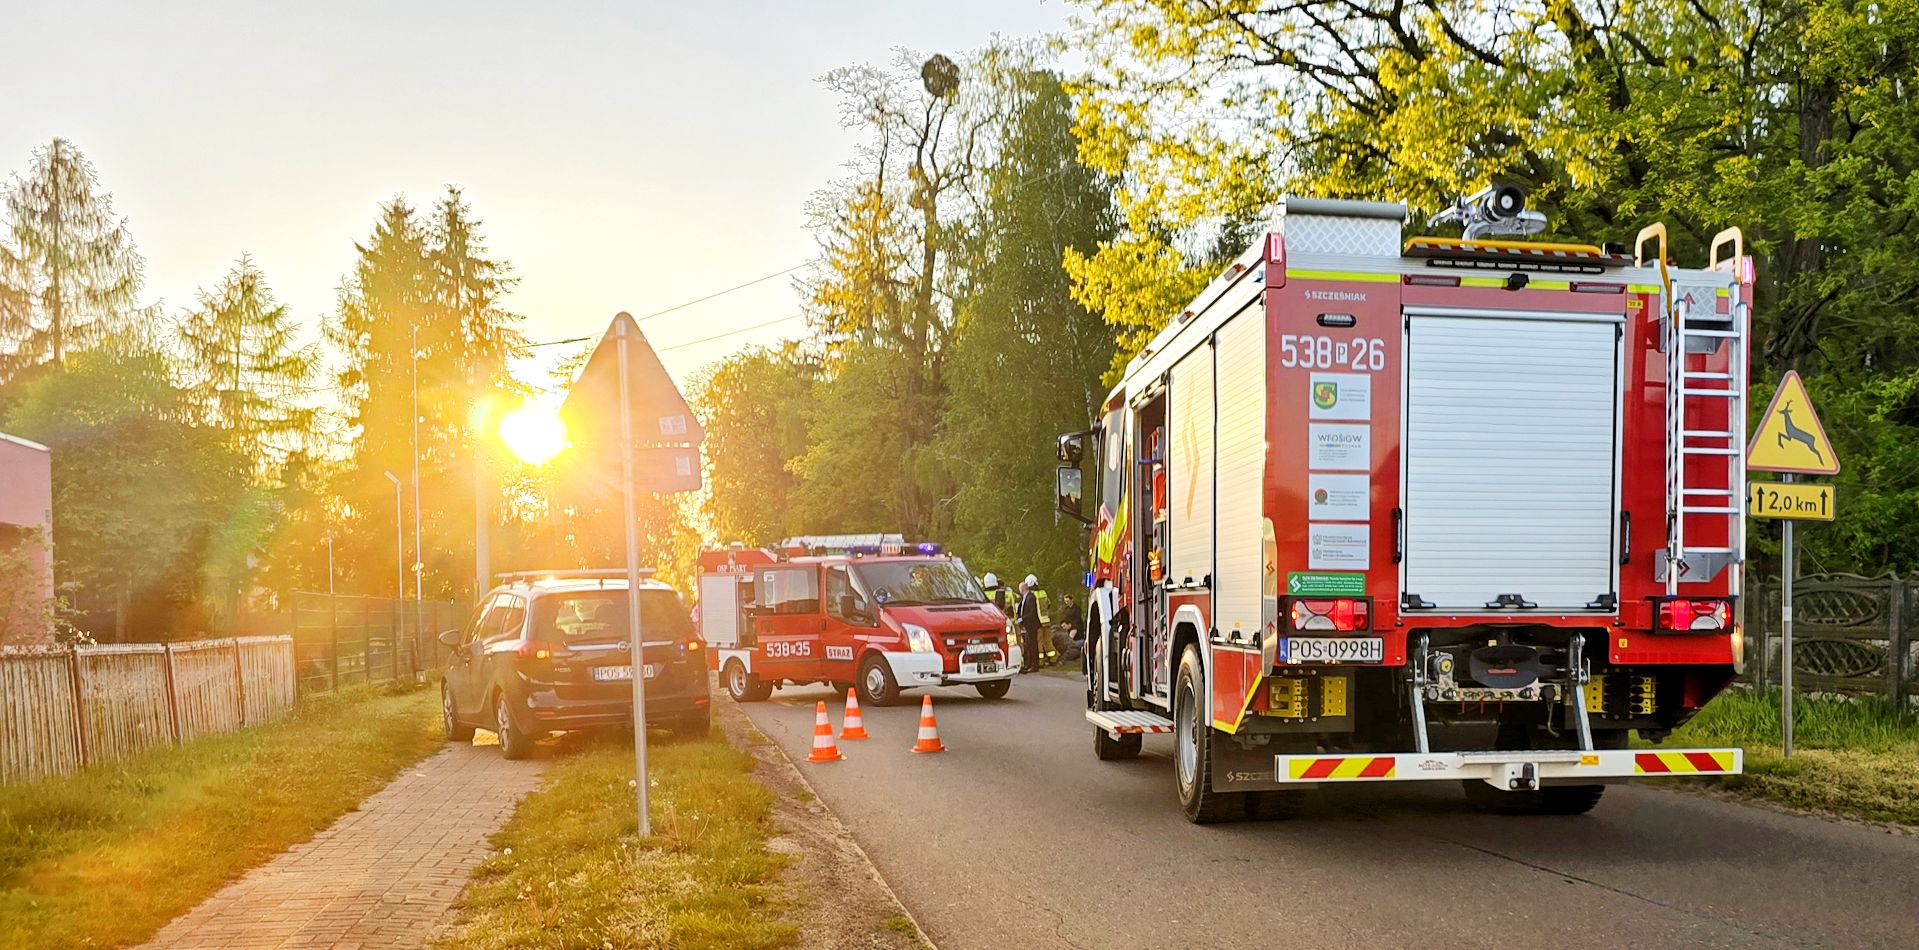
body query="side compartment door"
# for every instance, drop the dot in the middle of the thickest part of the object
(1190, 486)
(789, 623)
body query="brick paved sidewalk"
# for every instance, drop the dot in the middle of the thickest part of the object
(382, 876)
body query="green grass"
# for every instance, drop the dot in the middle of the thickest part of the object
(572, 871)
(1857, 758)
(106, 857)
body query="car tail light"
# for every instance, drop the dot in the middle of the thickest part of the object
(1690, 616)
(1331, 613)
(693, 645)
(539, 650)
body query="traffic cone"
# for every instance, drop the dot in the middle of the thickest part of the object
(929, 740)
(854, 729)
(823, 748)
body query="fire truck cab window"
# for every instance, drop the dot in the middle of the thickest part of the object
(840, 596)
(791, 590)
(910, 583)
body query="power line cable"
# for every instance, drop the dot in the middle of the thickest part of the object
(721, 336)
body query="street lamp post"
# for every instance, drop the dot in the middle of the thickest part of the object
(419, 556)
(399, 544)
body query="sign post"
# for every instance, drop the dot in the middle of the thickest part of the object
(1792, 448)
(623, 378)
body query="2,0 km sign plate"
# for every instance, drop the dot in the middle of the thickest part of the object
(1800, 501)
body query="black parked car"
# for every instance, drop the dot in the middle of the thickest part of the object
(549, 652)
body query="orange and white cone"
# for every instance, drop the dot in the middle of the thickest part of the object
(929, 740)
(823, 748)
(854, 728)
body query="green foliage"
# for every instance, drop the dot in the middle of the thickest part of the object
(1851, 757)
(1026, 358)
(245, 369)
(68, 270)
(1792, 121)
(420, 322)
(148, 505)
(573, 873)
(109, 855)
(755, 405)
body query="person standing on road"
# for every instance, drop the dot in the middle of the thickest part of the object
(1030, 657)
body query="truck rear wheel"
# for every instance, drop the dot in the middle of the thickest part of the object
(1193, 750)
(1570, 799)
(1109, 749)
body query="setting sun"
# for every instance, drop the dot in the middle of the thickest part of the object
(534, 433)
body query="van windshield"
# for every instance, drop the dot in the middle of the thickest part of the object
(912, 583)
(601, 615)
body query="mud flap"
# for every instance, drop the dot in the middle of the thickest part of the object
(1239, 767)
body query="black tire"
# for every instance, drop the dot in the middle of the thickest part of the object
(694, 725)
(842, 687)
(745, 687)
(1570, 799)
(1109, 749)
(514, 743)
(1193, 751)
(456, 731)
(1275, 806)
(994, 689)
(1497, 801)
(876, 685)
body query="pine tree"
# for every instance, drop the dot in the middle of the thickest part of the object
(245, 368)
(70, 271)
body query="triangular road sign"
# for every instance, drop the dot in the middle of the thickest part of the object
(666, 436)
(1789, 437)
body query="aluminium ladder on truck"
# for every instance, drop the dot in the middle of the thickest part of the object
(1705, 412)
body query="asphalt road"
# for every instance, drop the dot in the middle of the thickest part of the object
(1019, 837)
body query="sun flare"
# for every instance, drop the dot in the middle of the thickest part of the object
(534, 433)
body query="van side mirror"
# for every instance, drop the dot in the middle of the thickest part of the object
(852, 608)
(450, 638)
(1069, 496)
(1072, 447)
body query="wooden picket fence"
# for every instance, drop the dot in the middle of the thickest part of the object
(62, 709)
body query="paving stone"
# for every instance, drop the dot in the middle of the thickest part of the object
(382, 876)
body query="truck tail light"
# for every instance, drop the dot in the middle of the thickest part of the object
(1331, 613)
(1689, 615)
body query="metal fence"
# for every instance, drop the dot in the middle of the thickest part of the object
(1850, 634)
(62, 709)
(340, 640)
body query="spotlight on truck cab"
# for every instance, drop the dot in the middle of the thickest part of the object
(1494, 210)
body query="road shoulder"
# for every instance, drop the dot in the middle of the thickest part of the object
(839, 898)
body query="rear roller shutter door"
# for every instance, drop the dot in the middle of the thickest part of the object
(1510, 440)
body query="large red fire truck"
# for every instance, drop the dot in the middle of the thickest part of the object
(1450, 508)
(865, 611)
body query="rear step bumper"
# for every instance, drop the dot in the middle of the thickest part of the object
(1518, 771)
(1123, 722)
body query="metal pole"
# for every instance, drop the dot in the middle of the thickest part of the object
(419, 558)
(482, 543)
(633, 585)
(1785, 631)
(329, 565)
(399, 541)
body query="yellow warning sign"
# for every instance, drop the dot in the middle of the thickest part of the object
(1789, 437)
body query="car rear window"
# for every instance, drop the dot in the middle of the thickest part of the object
(601, 615)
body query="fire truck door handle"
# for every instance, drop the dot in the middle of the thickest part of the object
(1399, 535)
(1625, 537)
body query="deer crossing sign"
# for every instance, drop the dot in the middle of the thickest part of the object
(1789, 437)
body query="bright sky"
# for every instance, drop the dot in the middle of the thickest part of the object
(623, 155)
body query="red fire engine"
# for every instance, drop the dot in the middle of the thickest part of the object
(865, 611)
(1453, 508)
